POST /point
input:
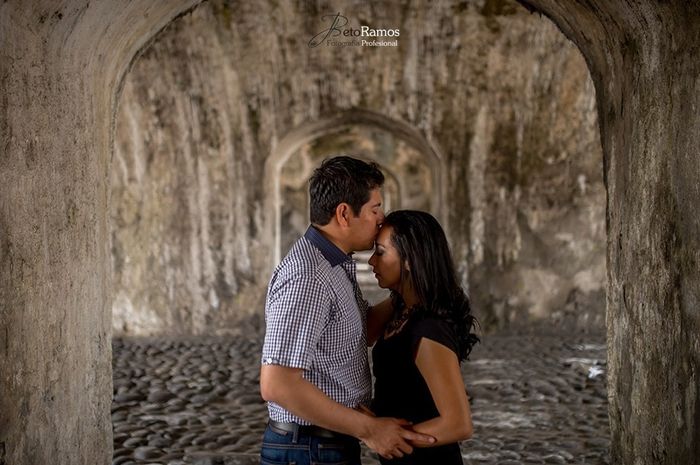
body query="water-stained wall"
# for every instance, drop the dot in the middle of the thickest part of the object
(503, 98)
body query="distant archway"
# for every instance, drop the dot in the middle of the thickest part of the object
(424, 157)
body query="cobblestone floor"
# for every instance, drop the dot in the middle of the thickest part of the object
(535, 399)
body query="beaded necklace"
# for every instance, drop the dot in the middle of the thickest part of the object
(397, 323)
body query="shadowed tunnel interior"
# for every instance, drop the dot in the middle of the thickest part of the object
(509, 105)
(142, 146)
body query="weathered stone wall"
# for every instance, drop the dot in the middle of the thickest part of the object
(60, 65)
(503, 98)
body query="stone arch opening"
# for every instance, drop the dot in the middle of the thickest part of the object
(256, 119)
(213, 135)
(246, 118)
(258, 132)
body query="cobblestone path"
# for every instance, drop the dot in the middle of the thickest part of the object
(535, 399)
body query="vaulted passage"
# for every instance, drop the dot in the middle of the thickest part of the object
(156, 201)
(209, 191)
(215, 144)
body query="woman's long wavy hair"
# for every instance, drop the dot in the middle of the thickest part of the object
(421, 243)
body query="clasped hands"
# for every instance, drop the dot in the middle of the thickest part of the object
(392, 437)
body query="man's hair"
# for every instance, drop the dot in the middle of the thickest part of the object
(339, 180)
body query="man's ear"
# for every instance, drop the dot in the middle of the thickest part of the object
(342, 214)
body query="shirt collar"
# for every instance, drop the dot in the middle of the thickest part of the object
(330, 251)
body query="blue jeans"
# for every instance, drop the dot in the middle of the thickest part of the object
(283, 448)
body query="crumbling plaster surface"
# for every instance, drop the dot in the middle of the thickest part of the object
(501, 96)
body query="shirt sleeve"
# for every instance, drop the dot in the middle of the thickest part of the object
(435, 329)
(296, 311)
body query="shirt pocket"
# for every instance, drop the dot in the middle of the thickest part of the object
(344, 337)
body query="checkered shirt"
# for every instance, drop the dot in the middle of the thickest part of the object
(316, 320)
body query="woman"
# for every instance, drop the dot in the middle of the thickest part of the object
(417, 356)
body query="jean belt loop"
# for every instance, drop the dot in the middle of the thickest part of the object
(295, 435)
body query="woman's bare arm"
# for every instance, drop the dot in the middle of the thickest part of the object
(440, 369)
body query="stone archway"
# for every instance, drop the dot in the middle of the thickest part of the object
(414, 173)
(421, 158)
(61, 72)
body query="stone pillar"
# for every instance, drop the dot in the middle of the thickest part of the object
(60, 68)
(654, 245)
(645, 65)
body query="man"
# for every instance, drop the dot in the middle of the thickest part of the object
(315, 373)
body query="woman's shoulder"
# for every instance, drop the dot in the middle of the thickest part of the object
(437, 328)
(423, 318)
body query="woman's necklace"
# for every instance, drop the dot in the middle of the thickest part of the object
(395, 325)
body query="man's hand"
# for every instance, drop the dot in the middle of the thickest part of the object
(389, 437)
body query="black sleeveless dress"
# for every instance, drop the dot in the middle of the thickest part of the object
(400, 390)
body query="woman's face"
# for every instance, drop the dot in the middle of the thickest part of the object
(385, 261)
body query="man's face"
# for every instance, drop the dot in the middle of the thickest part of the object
(365, 226)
